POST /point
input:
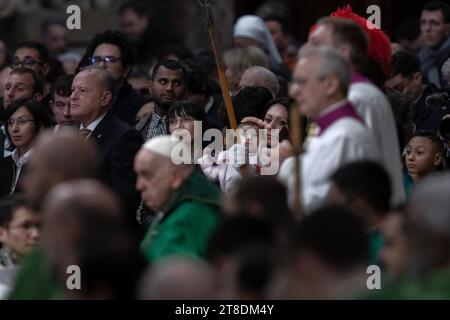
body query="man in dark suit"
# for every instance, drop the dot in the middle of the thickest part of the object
(92, 92)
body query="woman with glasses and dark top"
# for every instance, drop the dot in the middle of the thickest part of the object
(19, 232)
(24, 120)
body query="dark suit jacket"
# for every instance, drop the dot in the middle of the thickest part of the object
(118, 144)
(127, 104)
(6, 175)
(7, 171)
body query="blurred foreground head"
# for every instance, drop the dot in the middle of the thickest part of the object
(82, 226)
(429, 213)
(178, 278)
(58, 157)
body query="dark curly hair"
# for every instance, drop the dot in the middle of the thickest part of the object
(111, 37)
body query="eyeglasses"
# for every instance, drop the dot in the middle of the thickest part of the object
(27, 63)
(96, 60)
(20, 122)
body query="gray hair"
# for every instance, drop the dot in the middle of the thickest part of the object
(105, 78)
(267, 79)
(330, 62)
(240, 58)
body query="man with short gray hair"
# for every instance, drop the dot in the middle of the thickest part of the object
(117, 142)
(260, 77)
(320, 84)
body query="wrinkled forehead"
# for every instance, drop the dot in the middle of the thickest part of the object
(149, 159)
(90, 76)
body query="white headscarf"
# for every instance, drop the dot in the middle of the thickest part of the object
(253, 27)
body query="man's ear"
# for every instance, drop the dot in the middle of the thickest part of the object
(106, 98)
(45, 69)
(127, 72)
(331, 85)
(3, 234)
(177, 178)
(150, 87)
(417, 77)
(38, 97)
(438, 159)
(346, 52)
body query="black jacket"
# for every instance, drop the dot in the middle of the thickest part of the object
(118, 144)
(127, 104)
(7, 170)
(424, 117)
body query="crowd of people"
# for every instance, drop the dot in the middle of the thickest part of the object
(109, 161)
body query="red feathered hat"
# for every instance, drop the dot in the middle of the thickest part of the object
(379, 44)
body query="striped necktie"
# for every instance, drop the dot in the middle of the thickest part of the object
(85, 133)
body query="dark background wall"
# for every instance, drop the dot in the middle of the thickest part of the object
(185, 19)
(304, 13)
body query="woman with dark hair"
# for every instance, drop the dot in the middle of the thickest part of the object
(184, 121)
(277, 115)
(24, 120)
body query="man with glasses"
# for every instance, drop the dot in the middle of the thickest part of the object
(407, 78)
(110, 50)
(32, 55)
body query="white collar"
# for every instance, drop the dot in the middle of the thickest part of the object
(333, 107)
(94, 123)
(20, 161)
(209, 104)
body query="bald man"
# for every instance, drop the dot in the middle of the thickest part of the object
(260, 77)
(117, 142)
(186, 203)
